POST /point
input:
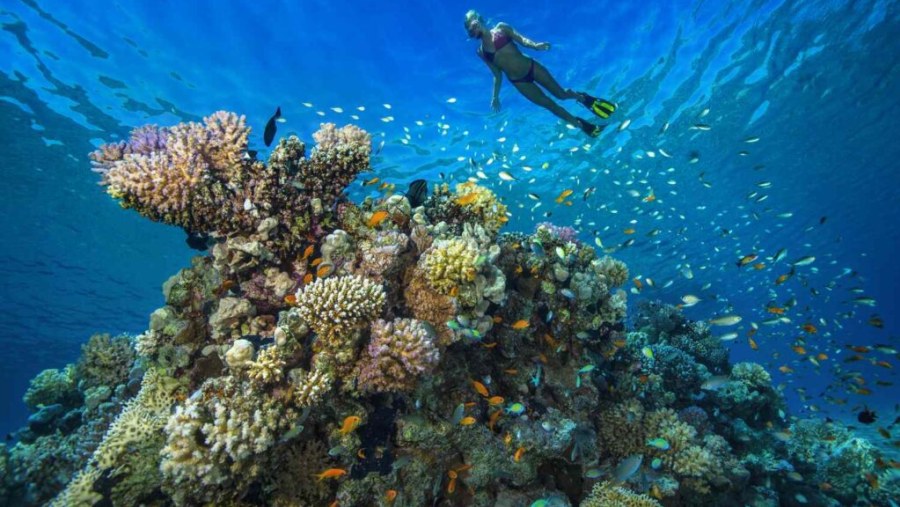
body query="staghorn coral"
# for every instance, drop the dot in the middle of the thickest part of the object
(267, 368)
(397, 355)
(607, 494)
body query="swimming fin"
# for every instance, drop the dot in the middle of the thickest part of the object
(601, 107)
(589, 128)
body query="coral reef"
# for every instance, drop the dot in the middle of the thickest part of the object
(376, 354)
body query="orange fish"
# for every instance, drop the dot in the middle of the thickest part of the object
(785, 369)
(809, 328)
(825, 486)
(862, 349)
(497, 319)
(542, 358)
(783, 278)
(568, 203)
(883, 364)
(753, 344)
(489, 345)
(759, 265)
(316, 262)
(747, 259)
(224, 287)
(466, 199)
(494, 418)
(350, 424)
(307, 279)
(799, 349)
(331, 473)
(650, 198)
(451, 486)
(520, 324)
(480, 388)
(776, 310)
(371, 182)
(290, 299)
(377, 218)
(863, 391)
(511, 371)
(324, 270)
(467, 421)
(454, 291)
(495, 400)
(550, 341)
(361, 454)
(629, 231)
(822, 356)
(518, 455)
(309, 251)
(507, 438)
(390, 495)
(638, 284)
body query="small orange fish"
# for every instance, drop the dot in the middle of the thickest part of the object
(467, 421)
(825, 486)
(480, 388)
(494, 418)
(517, 457)
(799, 349)
(390, 495)
(759, 265)
(752, 344)
(568, 203)
(550, 340)
(495, 400)
(316, 262)
(361, 454)
(334, 504)
(489, 345)
(454, 291)
(776, 310)
(224, 287)
(809, 328)
(629, 231)
(650, 198)
(290, 299)
(862, 349)
(785, 369)
(463, 468)
(747, 259)
(520, 324)
(822, 356)
(466, 199)
(371, 182)
(350, 423)
(783, 278)
(309, 251)
(643, 379)
(377, 218)
(638, 284)
(331, 473)
(497, 319)
(324, 270)
(511, 371)
(507, 438)
(863, 391)
(518, 270)
(562, 196)
(470, 404)
(543, 358)
(883, 364)
(307, 279)
(451, 486)
(876, 321)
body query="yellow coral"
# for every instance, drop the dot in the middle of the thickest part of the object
(338, 306)
(268, 367)
(311, 387)
(449, 264)
(483, 203)
(606, 494)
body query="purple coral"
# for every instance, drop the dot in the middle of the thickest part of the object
(399, 353)
(564, 233)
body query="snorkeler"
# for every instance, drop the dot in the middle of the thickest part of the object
(501, 55)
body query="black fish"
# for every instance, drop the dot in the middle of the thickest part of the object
(866, 416)
(198, 241)
(417, 193)
(822, 220)
(269, 134)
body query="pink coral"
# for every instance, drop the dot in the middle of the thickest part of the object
(398, 354)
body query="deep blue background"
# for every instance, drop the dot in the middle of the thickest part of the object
(816, 81)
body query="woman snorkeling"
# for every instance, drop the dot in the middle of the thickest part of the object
(498, 50)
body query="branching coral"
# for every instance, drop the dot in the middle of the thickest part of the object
(607, 494)
(398, 354)
(334, 307)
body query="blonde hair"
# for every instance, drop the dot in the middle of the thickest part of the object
(472, 15)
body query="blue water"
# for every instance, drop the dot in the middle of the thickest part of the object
(817, 82)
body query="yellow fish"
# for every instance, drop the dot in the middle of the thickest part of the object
(520, 324)
(563, 195)
(466, 199)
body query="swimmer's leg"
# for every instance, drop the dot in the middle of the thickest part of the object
(543, 77)
(533, 93)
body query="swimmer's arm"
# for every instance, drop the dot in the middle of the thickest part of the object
(521, 39)
(498, 79)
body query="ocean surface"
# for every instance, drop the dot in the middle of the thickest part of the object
(755, 126)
